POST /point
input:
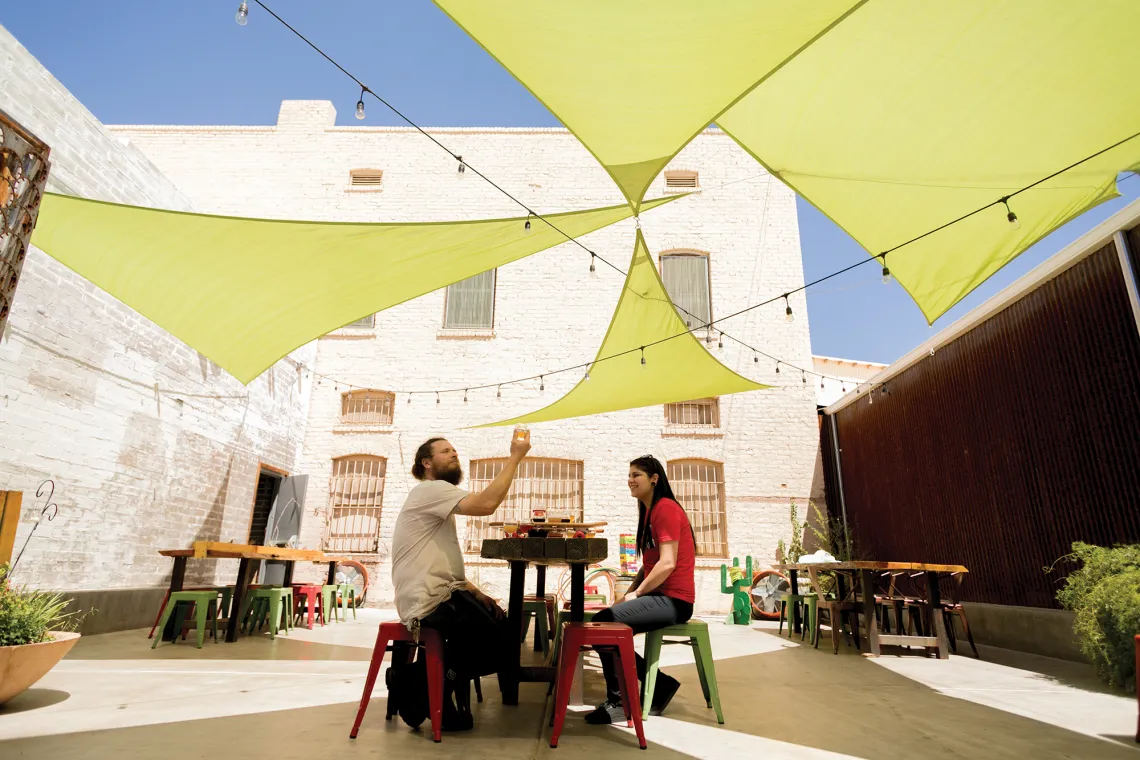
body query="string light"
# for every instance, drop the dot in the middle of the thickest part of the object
(756, 360)
(409, 398)
(464, 395)
(542, 382)
(462, 166)
(821, 382)
(593, 269)
(1010, 216)
(587, 375)
(804, 376)
(526, 226)
(242, 15)
(871, 396)
(499, 392)
(788, 309)
(643, 356)
(437, 397)
(360, 105)
(886, 271)
(777, 367)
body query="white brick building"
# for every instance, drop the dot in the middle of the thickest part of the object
(142, 469)
(547, 312)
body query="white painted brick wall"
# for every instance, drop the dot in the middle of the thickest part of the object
(549, 312)
(150, 447)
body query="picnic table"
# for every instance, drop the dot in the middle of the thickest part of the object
(578, 553)
(248, 554)
(866, 571)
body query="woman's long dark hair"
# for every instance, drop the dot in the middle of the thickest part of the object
(651, 466)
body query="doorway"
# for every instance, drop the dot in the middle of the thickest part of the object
(268, 485)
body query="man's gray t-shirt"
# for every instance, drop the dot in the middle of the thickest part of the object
(427, 563)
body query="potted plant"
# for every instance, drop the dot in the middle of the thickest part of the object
(35, 634)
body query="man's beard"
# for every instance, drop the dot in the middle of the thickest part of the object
(454, 476)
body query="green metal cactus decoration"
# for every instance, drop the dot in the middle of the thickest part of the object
(739, 587)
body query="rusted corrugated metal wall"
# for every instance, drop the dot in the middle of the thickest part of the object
(1008, 444)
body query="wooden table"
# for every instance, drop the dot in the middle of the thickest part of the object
(578, 553)
(248, 554)
(866, 571)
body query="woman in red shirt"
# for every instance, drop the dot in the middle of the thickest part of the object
(663, 592)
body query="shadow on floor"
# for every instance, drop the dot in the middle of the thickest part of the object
(33, 699)
(112, 646)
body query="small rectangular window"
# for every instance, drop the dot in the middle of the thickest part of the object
(470, 303)
(681, 180)
(367, 407)
(366, 177)
(686, 280)
(701, 413)
(368, 321)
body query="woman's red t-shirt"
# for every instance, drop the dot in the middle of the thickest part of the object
(668, 522)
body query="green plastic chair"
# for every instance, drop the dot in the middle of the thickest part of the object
(347, 591)
(696, 635)
(205, 610)
(537, 610)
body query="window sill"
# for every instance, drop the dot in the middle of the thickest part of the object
(357, 427)
(712, 563)
(680, 190)
(364, 189)
(351, 333)
(465, 334)
(691, 431)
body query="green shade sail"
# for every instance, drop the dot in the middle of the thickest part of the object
(245, 292)
(893, 117)
(636, 80)
(675, 370)
(911, 114)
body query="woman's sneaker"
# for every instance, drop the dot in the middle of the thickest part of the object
(606, 713)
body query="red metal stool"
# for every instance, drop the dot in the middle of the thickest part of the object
(433, 644)
(575, 636)
(310, 594)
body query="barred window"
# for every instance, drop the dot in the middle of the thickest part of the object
(699, 486)
(550, 484)
(701, 413)
(366, 177)
(686, 280)
(367, 407)
(356, 494)
(470, 303)
(681, 180)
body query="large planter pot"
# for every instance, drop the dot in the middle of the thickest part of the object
(21, 666)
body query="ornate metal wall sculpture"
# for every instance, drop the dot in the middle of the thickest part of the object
(23, 173)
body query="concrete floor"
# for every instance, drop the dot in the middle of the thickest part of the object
(296, 697)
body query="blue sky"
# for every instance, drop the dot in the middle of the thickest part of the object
(144, 62)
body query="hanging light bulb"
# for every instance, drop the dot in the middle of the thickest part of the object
(803, 375)
(1009, 215)
(777, 367)
(526, 226)
(756, 360)
(886, 271)
(843, 387)
(871, 396)
(587, 375)
(242, 15)
(409, 398)
(643, 356)
(821, 382)
(360, 107)
(499, 392)
(593, 268)
(708, 336)
(788, 309)
(437, 397)
(720, 341)
(464, 395)
(541, 383)
(462, 166)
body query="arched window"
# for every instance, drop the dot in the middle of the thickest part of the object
(367, 407)
(555, 485)
(699, 487)
(356, 495)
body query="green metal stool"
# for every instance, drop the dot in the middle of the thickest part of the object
(560, 617)
(328, 604)
(696, 635)
(537, 608)
(347, 591)
(272, 604)
(205, 610)
(809, 604)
